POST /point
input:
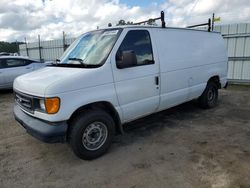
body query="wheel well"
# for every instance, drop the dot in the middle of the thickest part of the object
(105, 106)
(216, 80)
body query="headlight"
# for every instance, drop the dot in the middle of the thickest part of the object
(42, 105)
(50, 105)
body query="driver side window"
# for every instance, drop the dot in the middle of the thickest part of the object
(139, 43)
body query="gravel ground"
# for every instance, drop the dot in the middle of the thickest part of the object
(181, 147)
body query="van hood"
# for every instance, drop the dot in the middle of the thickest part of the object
(36, 82)
(53, 80)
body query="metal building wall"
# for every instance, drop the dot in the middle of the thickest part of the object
(237, 40)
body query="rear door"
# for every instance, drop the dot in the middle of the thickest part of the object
(137, 87)
(14, 68)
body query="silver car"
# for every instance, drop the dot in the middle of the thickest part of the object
(14, 66)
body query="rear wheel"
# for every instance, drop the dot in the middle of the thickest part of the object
(91, 134)
(209, 97)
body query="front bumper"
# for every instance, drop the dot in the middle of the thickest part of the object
(42, 130)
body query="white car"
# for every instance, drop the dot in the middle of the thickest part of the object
(112, 76)
(14, 66)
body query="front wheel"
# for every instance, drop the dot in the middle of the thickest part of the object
(209, 97)
(91, 134)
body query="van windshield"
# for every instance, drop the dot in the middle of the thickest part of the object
(91, 49)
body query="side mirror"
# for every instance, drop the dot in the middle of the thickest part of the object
(127, 59)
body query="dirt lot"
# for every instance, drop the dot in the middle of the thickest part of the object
(181, 147)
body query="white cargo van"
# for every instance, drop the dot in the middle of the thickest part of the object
(112, 76)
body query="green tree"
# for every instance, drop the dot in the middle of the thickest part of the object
(121, 22)
(9, 47)
(151, 22)
(129, 23)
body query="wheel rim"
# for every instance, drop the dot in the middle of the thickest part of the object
(211, 94)
(94, 136)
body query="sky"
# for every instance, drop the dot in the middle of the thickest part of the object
(49, 18)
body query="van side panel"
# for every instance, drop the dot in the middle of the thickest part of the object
(188, 58)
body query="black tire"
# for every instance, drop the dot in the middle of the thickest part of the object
(209, 97)
(80, 138)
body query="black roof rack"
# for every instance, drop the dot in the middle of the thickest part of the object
(163, 23)
(203, 24)
(162, 18)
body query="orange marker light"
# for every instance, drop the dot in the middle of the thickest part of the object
(52, 105)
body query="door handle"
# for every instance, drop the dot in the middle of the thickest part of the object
(28, 67)
(157, 80)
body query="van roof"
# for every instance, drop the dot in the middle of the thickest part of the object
(158, 27)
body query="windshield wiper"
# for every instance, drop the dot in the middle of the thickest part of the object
(55, 62)
(77, 59)
(81, 65)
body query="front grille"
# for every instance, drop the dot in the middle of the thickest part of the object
(24, 101)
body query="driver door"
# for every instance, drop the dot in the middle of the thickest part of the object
(137, 87)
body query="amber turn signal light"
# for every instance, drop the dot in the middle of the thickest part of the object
(52, 105)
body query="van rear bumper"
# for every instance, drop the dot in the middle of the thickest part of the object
(42, 130)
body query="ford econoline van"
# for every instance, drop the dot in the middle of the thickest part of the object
(112, 76)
